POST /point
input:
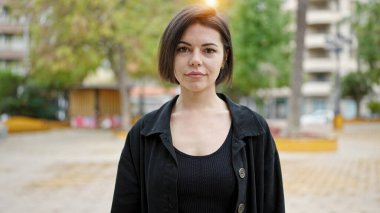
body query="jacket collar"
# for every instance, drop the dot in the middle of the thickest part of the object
(244, 121)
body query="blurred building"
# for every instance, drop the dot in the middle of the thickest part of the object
(13, 41)
(325, 20)
(96, 102)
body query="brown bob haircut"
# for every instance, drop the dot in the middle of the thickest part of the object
(206, 16)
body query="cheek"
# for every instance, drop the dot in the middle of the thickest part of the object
(177, 62)
(175, 74)
(217, 64)
(175, 66)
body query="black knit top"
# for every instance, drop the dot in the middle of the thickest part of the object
(207, 184)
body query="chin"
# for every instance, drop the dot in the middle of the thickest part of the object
(195, 88)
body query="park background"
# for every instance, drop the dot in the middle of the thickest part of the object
(79, 73)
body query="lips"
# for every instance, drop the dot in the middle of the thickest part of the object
(195, 74)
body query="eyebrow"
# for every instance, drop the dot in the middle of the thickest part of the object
(206, 44)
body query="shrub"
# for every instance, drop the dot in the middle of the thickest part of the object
(9, 83)
(33, 102)
(374, 107)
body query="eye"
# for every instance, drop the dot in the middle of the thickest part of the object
(183, 49)
(209, 50)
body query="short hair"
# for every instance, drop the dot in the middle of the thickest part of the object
(206, 16)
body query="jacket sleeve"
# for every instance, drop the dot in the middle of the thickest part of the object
(274, 201)
(127, 188)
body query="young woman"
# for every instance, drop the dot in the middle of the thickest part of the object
(200, 152)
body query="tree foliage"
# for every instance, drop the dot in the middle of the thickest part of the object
(356, 85)
(70, 38)
(374, 107)
(9, 82)
(260, 36)
(33, 102)
(367, 28)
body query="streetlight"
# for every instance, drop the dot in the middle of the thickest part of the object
(272, 71)
(335, 44)
(212, 3)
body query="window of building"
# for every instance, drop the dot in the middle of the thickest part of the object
(6, 38)
(4, 11)
(318, 5)
(317, 53)
(11, 65)
(318, 29)
(319, 104)
(281, 108)
(319, 77)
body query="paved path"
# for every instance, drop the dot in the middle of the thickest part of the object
(58, 171)
(344, 181)
(73, 171)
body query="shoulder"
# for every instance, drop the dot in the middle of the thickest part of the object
(142, 121)
(134, 137)
(246, 121)
(253, 116)
(250, 113)
(258, 117)
(157, 121)
(256, 125)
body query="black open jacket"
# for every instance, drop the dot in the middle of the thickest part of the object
(147, 175)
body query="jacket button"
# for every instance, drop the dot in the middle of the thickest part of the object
(242, 173)
(241, 208)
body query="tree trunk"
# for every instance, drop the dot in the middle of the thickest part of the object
(297, 74)
(357, 102)
(118, 62)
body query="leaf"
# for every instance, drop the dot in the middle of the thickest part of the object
(260, 36)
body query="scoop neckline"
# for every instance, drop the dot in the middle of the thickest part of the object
(226, 140)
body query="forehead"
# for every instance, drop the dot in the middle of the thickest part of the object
(198, 33)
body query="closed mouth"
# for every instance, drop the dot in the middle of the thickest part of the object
(195, 74)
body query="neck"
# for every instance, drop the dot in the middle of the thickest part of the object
(191, 101)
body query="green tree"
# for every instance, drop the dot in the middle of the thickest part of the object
(261, 38)
(374, 107)
(70, 38)
(367, 29)
(33, 102)
(9, 82)
(356, 85)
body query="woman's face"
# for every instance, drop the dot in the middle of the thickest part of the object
(199, 58)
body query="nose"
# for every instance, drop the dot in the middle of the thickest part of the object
(196, 59)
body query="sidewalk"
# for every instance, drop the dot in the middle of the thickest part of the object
(63, 170)
(71, 170)
(344, 181)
